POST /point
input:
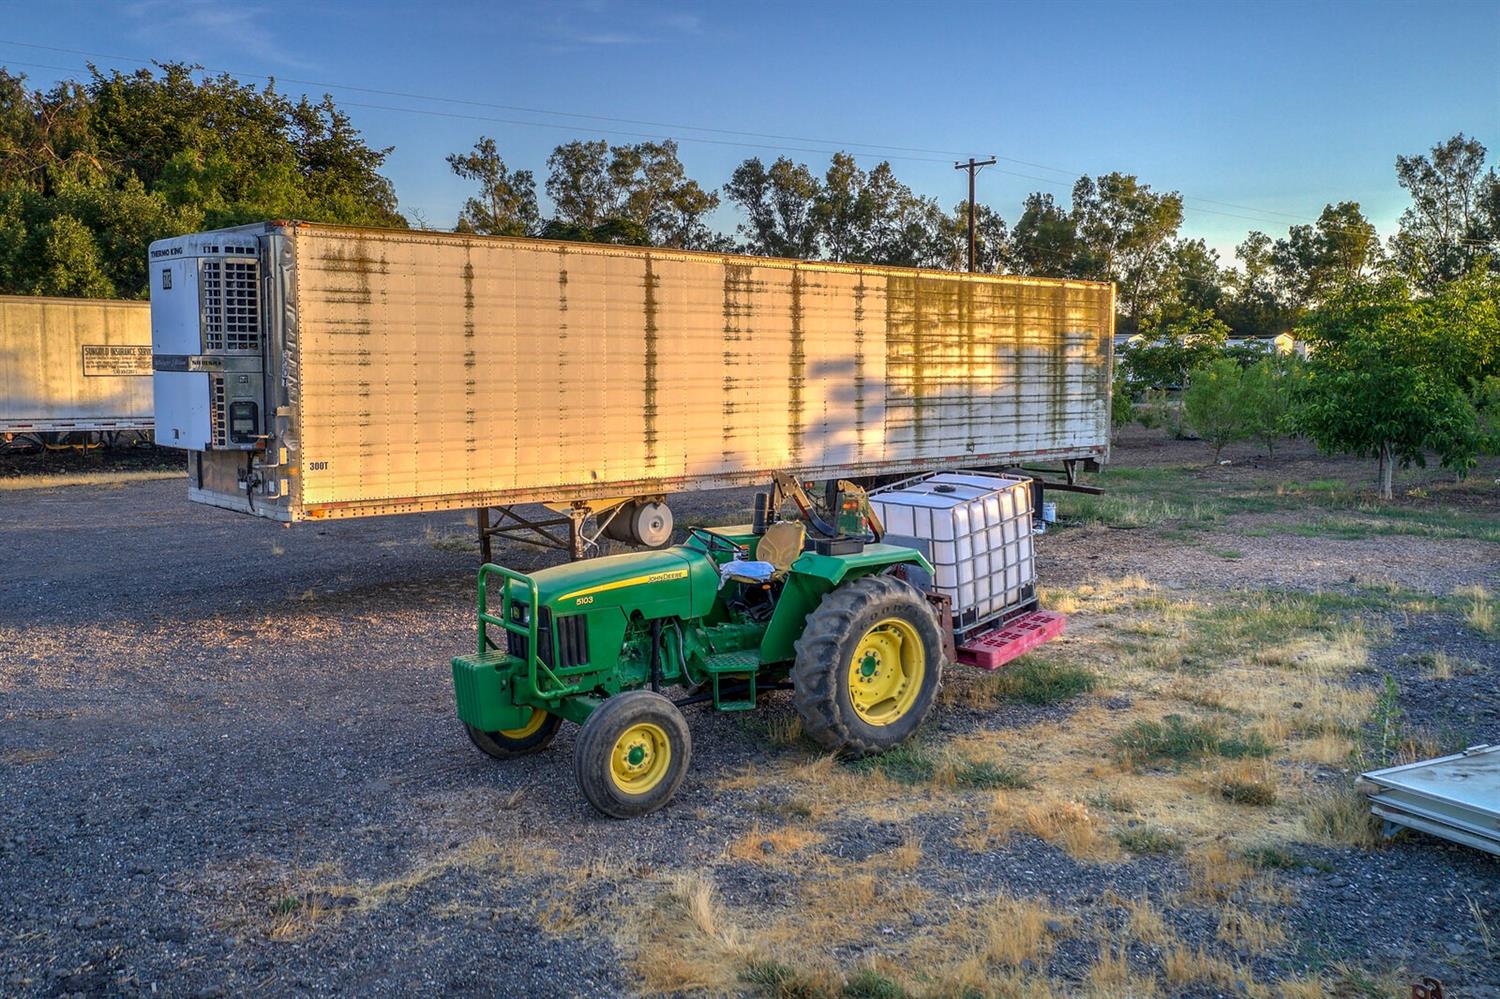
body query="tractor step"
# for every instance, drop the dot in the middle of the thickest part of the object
(1016, 637)
(742, 665)
(744, 661)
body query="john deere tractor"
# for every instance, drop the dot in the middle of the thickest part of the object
(816, 604)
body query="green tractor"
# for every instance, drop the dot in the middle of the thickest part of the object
(847, 623)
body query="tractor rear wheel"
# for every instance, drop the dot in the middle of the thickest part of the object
(512, 742)
(868, 666)
(632, 754)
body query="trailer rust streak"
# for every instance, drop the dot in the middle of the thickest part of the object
(652, 331)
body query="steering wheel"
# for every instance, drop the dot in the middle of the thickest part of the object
(714, 541)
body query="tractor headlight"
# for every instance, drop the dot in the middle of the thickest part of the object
(520, 613)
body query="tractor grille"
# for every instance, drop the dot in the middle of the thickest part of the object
(572, 641)
(231, 305)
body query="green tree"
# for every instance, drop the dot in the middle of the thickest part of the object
(780, 206)
(92, 171)
(1191, 277)
(1045, 240)
(1266, 390)
(580, 186)
(1315, 261)
(1385, 379)
(845, 210)
(1254, 305)
(1454, 217)
(655, 193)
(992, 243)
(1122, 228)
(1215, 404)
(1170, 347)
(506, 203)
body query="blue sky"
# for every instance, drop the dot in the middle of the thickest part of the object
(1259, 113)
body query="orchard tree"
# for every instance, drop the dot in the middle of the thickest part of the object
(1266, 390)
(1386, 376)
(1214, 403)
(1170, 347)
(1454, 217)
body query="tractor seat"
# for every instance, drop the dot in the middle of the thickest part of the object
(781, 545)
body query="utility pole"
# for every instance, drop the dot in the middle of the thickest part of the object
(973, 167)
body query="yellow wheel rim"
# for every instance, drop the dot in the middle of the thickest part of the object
(640, 758)
(885, 673)
(532, 726)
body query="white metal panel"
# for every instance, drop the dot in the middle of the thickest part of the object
(183, 403)
(74, 363)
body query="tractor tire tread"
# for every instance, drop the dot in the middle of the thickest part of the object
(815, 673)
(596, 739)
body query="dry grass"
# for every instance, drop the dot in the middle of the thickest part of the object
(482, 852)
(1216, 875)
(1183, 965)
(773, 846)
(1478, 609)
(1302, 988)
(784, 730)
(20, 482)
(1013, 930)
(1263, 676)
(1341, 817)
(23, 757)
(1146, 924)
(1112, 977)
(688, 941)
(1247, 932)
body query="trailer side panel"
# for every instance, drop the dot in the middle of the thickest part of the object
(74, 364)
(448, 367)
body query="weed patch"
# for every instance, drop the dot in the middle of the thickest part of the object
(1176, 739)
(1147, 840)
(1036, 679)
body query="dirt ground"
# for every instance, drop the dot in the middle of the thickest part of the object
(229, 764)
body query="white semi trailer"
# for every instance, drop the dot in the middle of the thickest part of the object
(76, 366)
(317, 371)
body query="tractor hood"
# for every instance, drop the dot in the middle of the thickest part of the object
(675, 581)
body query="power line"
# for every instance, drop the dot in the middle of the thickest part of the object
(636, 134)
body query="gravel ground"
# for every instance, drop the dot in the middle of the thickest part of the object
(201, 709)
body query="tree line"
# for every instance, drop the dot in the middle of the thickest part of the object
(92, 170)
(1404, 331)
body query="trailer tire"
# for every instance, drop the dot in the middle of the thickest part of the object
(530, 738)
(869, 665)
(632, 754)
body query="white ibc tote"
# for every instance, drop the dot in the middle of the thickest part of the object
(979, 532)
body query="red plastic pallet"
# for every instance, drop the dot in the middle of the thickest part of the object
(1016, 637)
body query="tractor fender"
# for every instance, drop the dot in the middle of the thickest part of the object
(812, 577)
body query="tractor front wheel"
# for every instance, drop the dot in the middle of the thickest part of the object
(868, 666)
(510, 743)
(632, 754)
